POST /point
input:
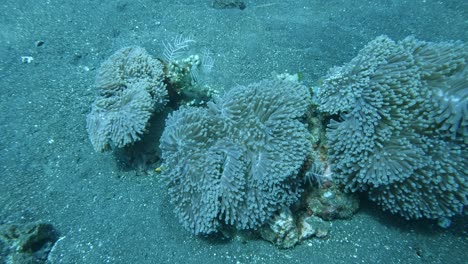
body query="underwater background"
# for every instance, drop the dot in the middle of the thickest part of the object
(109, 207)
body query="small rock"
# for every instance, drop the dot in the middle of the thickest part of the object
(332, 203)
(39, 43)
(310, 226)
(281, 230)
(229, 4)
(321, 233)
(30, 243)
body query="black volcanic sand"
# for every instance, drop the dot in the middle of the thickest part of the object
(108, 212)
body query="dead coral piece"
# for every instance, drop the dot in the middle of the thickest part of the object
(310, 226)
(281, 230)
(286, 230)
(329, 202)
